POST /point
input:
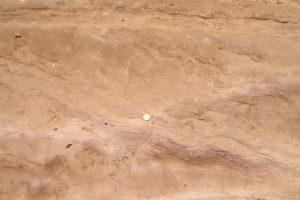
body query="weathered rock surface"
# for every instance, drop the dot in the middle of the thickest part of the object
(220, 79)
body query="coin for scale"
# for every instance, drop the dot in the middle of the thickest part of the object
(146, 116)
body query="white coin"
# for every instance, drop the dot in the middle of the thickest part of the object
(146, 116)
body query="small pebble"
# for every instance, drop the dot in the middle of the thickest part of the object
(18, 35)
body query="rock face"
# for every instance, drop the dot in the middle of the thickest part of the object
(220, 79)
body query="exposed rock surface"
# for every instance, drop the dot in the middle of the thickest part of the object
(220, 79)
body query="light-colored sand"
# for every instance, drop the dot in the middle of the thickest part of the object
(220, 79)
